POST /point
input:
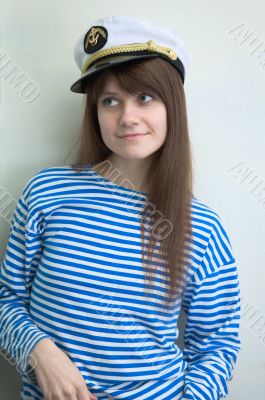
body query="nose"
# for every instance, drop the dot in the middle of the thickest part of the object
(129, 115)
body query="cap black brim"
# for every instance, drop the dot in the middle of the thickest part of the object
(79, 85)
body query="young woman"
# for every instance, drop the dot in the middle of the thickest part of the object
(103, 254)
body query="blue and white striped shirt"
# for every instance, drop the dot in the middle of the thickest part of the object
(72, 272)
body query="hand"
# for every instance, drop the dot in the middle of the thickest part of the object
(57, 375)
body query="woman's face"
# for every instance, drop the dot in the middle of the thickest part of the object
(120, 114)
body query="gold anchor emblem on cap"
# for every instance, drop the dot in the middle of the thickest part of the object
(93, 37)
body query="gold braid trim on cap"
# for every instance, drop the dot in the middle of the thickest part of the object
(124, 48)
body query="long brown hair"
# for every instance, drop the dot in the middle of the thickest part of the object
(170, 177)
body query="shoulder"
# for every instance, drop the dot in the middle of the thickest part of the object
(50, 173)
(47, 179)
(212, 247)
(203, 213)
(42, 192)
(205, 218)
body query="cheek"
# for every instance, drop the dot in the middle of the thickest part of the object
(106, 118)
(100, 118)
(107, 128)
(103, 121)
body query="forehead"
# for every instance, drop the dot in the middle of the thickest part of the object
(111, 84)
(131, 85)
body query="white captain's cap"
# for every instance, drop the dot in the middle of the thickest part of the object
(119, 39)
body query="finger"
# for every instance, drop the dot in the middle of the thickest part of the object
(84, 394)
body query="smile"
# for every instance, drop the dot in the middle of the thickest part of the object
(131, 137)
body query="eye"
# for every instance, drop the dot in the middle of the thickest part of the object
(142, 95)
(107, 101)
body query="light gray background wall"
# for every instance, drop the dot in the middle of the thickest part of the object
(225, 91)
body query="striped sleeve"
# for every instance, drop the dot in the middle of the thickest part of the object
(18, 333)
(212, 305)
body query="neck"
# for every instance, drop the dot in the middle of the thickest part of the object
(128, 173)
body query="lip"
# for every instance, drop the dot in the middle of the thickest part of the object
(133, 135)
